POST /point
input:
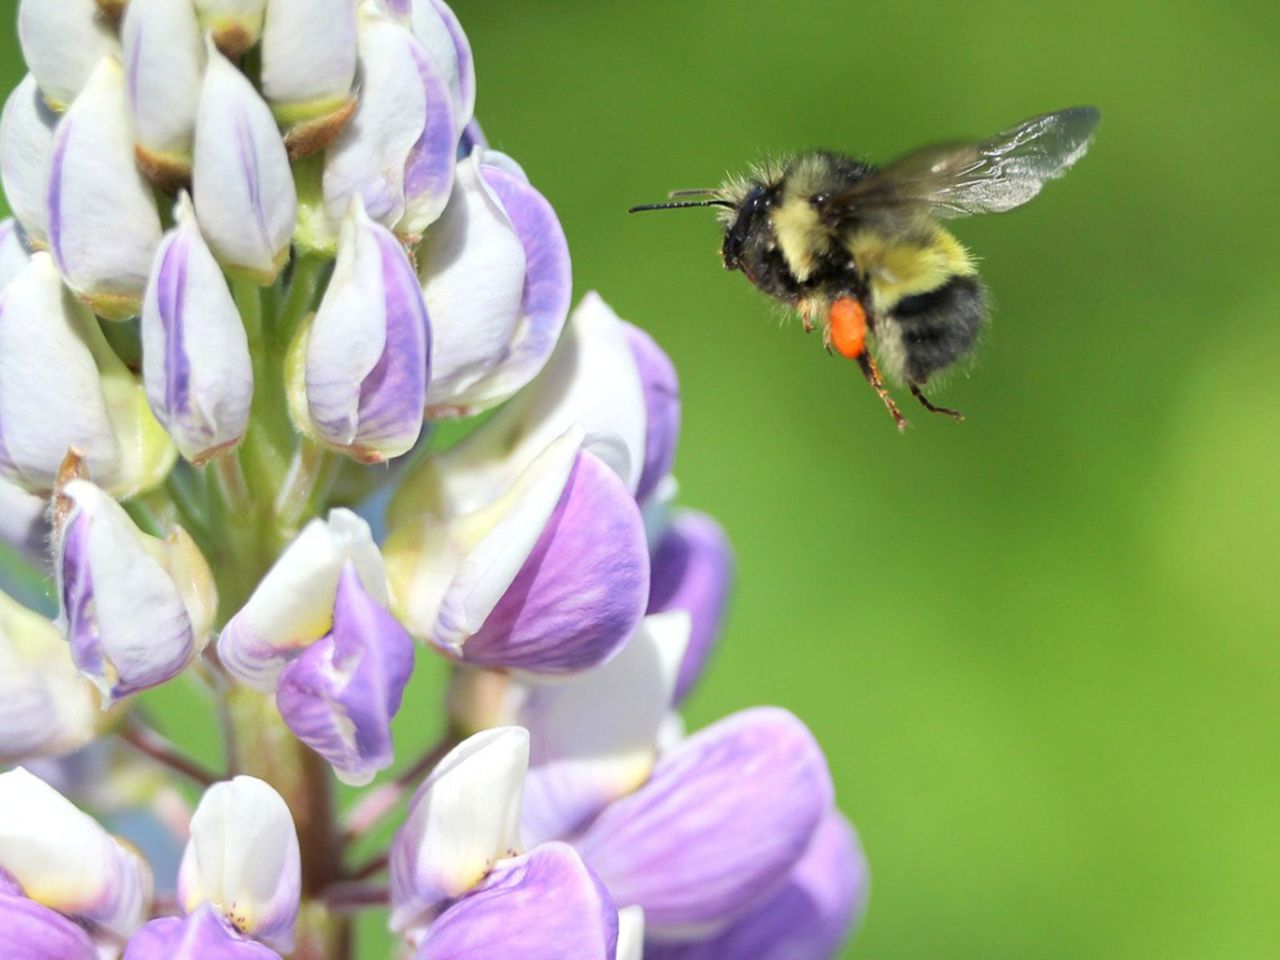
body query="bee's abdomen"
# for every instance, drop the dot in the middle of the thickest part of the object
(939, 327)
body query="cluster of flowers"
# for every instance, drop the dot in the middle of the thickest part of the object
(260, 250)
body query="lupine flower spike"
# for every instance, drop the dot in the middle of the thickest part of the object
(260, 250)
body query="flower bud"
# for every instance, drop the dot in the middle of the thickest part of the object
(824, 896)
(135, 609)
(34, 932)
(47, 708)
(62, 387)
(203, 935)
(339, 695)
(195, 355)
(464, 818)
(724, 817)
(308, 56)
(243, 860)
(495, 273)
(235, 25)
(164, 51)
(693, 571)
(62, 42)
(64, 860)
(545, 905)
(365, 358)
(397, 154)
(243, 185)
(595, 738)
(293, 605)
(26, 151)
(103, 223)
(538, 573)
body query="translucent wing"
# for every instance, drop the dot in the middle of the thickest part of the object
(960, 179)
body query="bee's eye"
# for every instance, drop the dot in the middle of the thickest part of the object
(820, 199)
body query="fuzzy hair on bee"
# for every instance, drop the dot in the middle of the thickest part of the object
(860, 251)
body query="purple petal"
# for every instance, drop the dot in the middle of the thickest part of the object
(203, 935)
(34, 932)
(693, 571)
(580, 593)
(662, 408)
(339, 696)
(719, 825)
(395, 391)
(77, 598)
(367, 402)
(545, 905)
(462, 47)
(428, 174)
(807, 920)
(472, 137)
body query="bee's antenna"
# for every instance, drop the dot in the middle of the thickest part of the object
(683, 203)
(696, 192)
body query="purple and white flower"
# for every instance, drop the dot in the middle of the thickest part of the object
(341, 693)
(63, 388)
(195, 356)
(366, 358)
(546, 572)
(134, 608)
(308, 56)
(293, 606)
(104, 226)
(243, 860)
(496, 276)
(242, 183)
(164, 64)
(59, 857)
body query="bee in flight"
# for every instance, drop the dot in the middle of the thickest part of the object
(860, 250)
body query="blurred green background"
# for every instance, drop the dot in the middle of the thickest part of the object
(1040, 647)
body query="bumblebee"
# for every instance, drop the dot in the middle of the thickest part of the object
(859, 249)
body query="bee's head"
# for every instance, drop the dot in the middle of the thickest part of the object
(747, 225)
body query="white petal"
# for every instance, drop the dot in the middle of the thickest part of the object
(464, 818)
(164, 54)
(243, 858)
(103, 223)
(50, 392)
(243, 185)
(239, 21)
(65, 860)
(472, 269)
(368, 158)
(23, 523)
(308, 50)
(62, 42)
(26, 149)
(293, 604)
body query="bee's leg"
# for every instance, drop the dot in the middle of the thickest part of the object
(872, 373)
(928, 405)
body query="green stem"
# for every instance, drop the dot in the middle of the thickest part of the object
(305, 487)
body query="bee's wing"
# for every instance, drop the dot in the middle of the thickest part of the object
(960, 179)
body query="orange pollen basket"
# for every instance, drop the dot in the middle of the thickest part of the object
(848, 322)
